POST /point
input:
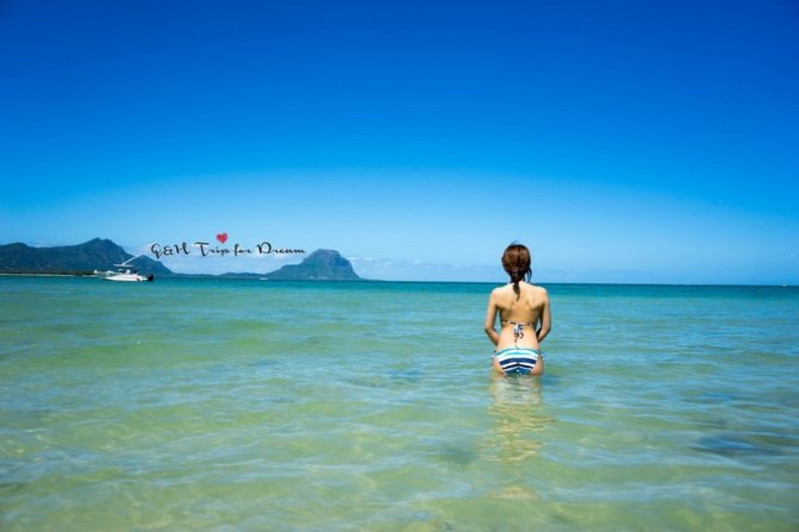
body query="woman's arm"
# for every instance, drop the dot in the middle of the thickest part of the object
(491, 319)
(546, 320)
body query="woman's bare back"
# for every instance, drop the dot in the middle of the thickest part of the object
(524, 317)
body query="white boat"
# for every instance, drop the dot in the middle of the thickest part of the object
(128, 275)
(125, 273)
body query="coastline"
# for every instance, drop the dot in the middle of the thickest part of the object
(258, 277)
(6, 274)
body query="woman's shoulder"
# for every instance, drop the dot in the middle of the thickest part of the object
(539, 291)
(504, 294)
(500, 290)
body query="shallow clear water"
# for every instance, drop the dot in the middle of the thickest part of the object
(218, 404)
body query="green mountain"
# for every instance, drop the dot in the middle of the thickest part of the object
(321, 265)
(97, 254)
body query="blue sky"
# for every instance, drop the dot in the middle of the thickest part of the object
(621, 141)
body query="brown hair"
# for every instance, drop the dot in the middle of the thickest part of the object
(516, 261)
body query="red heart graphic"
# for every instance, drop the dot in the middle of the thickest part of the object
(222, 237)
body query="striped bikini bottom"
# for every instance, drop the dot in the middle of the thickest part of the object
(517, 359)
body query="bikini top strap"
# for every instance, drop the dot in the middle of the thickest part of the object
(503, 322)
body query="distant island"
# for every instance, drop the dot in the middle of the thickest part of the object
(102, 254)
(82, 259)
(321, 265)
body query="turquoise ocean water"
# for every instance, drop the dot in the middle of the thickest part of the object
(246, 405)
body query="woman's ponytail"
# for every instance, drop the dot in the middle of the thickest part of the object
(516, 261)
(515, 278)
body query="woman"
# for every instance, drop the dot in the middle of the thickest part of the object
(524, 317)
